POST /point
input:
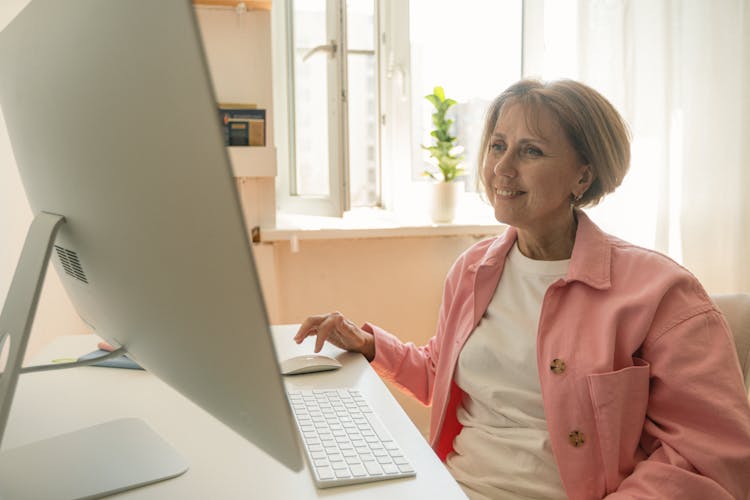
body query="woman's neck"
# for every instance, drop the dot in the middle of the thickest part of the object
(549, 245)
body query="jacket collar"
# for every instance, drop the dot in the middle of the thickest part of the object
(488, 270)
(590, 262)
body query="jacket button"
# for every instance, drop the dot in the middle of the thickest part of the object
(576, 438)
(557, 366)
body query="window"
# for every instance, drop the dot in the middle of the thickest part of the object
(327, 53)
(473, 54)
(357, 71)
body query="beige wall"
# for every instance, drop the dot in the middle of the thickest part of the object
(396, 283)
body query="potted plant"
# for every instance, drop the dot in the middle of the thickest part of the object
(445, 154)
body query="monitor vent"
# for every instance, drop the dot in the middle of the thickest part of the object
(71, 264)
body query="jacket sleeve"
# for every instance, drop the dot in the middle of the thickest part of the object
(412, 368)
(697, 428)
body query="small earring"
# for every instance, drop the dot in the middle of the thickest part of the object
(577, 197)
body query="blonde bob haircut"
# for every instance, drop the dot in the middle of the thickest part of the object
(593, 126)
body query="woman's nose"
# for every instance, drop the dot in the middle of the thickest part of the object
(505, 165)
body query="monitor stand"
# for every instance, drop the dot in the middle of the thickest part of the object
(88, 463)
(97, 461)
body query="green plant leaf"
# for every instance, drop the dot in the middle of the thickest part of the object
(427, 173)
(448, 164)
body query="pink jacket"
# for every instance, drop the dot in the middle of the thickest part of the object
(640, 379)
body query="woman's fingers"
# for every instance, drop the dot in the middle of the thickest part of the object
(350, 326)
(333, 327)
(309, 327)
(330, 325)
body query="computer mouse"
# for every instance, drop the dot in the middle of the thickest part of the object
(308, 363)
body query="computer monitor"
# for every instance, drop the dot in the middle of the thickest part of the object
(113, 122)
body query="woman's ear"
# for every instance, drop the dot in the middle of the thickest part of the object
(586, 177)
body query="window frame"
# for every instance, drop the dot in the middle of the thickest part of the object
(337, 201)
(394, 71)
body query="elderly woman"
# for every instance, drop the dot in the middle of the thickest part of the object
(568, 363)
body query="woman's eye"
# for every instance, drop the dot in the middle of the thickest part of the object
(533, 151)
(498, 147)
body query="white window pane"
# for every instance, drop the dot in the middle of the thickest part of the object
(361, 24)
(310, 99)
(363, 111)
(474, 53)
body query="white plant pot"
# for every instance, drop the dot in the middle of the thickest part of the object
(445, 196)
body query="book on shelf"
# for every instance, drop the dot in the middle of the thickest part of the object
(243, 124)
(237, 105)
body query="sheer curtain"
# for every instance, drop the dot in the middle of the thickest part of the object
(679, 72)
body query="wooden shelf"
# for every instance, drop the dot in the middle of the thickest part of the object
(253, 161)
(251, 5)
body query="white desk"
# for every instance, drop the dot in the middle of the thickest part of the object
(222, 464)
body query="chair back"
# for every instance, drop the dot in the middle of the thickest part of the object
(736, 309)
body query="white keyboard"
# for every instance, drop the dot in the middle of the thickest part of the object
(344, 440)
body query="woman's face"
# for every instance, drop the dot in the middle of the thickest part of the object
(531, 171)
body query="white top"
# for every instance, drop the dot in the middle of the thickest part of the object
(503, 450)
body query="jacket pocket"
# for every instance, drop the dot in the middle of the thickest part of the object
(620, 400)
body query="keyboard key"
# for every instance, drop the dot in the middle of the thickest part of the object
(405, 468)
(325, 473)
(390, 469)
(358, 471)
(382, 433)
(373, 469)
(342, 473)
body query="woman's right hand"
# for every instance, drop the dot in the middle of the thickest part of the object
(339, 331)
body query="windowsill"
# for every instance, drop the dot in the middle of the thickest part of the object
(472, 218)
